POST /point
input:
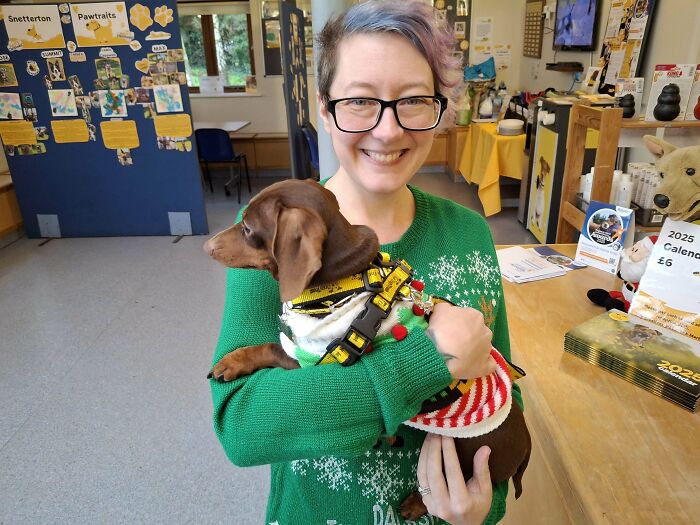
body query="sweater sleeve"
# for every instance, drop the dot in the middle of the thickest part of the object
(278, 415)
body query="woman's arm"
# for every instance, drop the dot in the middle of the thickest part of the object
(279, 415)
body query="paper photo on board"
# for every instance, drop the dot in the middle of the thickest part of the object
(112, 103)
(108, 68)
(8, 78)
(101, 24)
(33, 27)
(55, 67)
(62, 103)
(167, 98)
(10, 106)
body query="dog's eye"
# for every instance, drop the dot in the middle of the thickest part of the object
(690, 171)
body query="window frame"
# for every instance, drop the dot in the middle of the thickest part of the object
(210, 59)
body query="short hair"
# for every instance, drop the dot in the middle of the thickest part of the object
(414, 20)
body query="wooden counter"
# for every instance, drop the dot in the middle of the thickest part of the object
(604, 450)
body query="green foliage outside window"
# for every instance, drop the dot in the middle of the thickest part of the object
(232, 48)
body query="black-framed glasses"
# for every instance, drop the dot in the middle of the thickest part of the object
(360, 114)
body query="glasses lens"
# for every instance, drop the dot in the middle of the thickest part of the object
(418, 112)
(356, 114)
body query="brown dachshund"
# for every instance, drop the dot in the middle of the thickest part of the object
(294, 230)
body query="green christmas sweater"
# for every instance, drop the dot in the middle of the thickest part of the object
(322, 429)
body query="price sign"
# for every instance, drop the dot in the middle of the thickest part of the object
(669, 292)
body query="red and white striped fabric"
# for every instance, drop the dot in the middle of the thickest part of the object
(481, 410)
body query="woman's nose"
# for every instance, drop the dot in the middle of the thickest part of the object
(387, 127)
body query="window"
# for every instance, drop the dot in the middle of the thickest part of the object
(216, 39)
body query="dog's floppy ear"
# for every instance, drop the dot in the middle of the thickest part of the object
(658, 147)
(297, 247)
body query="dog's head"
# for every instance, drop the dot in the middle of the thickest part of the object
(678, 195)
(93, 25)
(544, 171)
(294, 230)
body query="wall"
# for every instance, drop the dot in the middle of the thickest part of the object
(507, 15)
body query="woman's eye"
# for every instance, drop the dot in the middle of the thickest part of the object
(358, 102)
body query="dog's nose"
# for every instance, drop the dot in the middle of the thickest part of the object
(209, 247)
(661, 200)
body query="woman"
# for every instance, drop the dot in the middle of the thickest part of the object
(382, 67)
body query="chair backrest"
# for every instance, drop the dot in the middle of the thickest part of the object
(312, 141)
(214, 145)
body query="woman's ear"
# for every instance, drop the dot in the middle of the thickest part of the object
(323, 112)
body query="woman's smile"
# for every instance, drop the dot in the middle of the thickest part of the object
(384, 158)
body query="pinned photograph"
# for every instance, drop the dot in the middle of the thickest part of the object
(62, 102)
(32, 68)
(33, 26)
(460, 30)
(149, 110)
(74, 82)
(160, 80)
(41, 133)
(176, 55)
(143, 95)
(168, 98)
(171, 67)
(31, 149)
(130, 96)
(182, 78)
(112, 103)
(10, 106)
(108, 68)
(7, 75)
(124, 156)
(146, 82)
(55, 67)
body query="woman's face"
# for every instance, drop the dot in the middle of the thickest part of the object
(387, 67)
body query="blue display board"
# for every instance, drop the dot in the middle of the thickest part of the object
(104, 87)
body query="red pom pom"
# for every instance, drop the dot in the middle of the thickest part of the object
(369, 348)
(418, 285)
(417, 310)
(399, 332)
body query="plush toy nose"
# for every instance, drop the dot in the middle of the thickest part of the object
(661, 200)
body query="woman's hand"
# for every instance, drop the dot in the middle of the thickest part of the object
(463, 339)
(449, 496)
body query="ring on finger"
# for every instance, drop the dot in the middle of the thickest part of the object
(423, 491)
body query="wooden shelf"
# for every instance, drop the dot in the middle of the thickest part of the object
(609, 122)
(644, 124)
(565, 68)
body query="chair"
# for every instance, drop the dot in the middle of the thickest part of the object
(311, 137)
(214, 145)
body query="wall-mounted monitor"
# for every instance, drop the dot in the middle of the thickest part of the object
(575, 25)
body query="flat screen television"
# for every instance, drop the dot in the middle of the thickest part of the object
(575, 25)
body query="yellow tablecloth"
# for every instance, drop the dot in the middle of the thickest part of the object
(487, 156)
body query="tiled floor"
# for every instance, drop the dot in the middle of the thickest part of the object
(104, 348)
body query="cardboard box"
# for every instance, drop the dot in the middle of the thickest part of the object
(680, 74)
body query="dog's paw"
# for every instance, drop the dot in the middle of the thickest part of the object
(412, 507)
(230, 367)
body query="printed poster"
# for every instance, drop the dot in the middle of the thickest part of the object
(101, 24)
(669, 292)
(541, 183)
(33, 27)
(605, 233)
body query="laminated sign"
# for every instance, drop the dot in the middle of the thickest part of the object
(669, 292)
(607, 229)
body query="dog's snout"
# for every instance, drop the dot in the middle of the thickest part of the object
(209, 247)
(661, 200)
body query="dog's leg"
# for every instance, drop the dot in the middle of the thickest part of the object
(248, 359)
(518, 476)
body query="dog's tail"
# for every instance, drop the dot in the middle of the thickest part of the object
(518, 476)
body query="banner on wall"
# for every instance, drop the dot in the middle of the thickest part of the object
(33, 27)
(101, 24)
